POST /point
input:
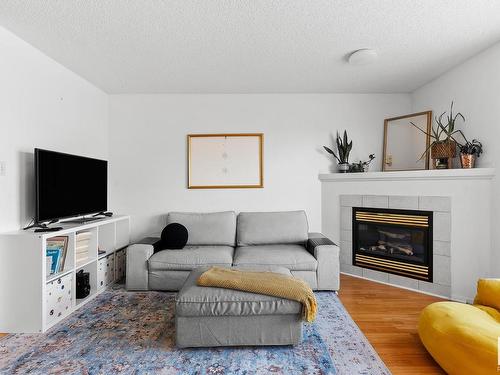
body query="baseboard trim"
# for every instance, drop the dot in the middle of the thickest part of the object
(396, 286)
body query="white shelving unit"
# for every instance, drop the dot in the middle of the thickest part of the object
(32, 300)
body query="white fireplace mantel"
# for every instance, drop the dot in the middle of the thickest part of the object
(433, 174)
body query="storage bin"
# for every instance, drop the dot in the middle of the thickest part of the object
(120, 265)
(58, 298)
(110, 269)
(101, 273)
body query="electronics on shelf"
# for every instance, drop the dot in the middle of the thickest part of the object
(69, 186)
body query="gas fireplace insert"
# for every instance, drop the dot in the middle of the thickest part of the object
(393, 241)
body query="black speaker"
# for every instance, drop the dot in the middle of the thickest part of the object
(82, 284)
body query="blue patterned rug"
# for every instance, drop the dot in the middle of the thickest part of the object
(124, 332)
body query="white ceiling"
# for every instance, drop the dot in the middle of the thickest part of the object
(253, 46)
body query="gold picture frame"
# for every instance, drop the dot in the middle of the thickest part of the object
(225, 161)
(408, 152)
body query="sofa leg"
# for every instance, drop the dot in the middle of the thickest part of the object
(336, 292)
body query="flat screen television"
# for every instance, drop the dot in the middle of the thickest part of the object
(69, 185)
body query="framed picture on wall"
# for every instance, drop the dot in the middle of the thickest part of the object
(224, 161)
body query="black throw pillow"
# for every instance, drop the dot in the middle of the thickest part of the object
(173, 236)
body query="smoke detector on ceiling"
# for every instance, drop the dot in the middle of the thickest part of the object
(363, 56)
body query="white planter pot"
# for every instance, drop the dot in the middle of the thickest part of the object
(343, 168)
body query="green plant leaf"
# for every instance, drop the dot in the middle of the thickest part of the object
(423, 131)
(330, 151)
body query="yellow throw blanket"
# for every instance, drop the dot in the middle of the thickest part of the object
(268, 283)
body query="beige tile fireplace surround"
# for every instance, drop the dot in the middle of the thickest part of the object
(460, 201)
(441, 208)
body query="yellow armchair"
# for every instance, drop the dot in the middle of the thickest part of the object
(462, 338)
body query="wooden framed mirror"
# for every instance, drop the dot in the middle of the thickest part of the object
(404, 144)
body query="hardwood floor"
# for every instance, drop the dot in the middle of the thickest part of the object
(388, 316)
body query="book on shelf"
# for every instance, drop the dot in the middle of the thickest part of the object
(83, 236)
(56, 249)
(82, 249)
(82, 243)
(81, 259)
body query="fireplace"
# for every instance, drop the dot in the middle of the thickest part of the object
(393, 241)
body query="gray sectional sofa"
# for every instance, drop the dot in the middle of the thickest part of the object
(249, 239)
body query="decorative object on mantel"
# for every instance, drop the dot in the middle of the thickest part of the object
(344, 148)
(444, 145)
(468, 153)
(404, 144)
(217, 161)
(362, 166)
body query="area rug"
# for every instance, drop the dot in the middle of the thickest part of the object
(123, 332)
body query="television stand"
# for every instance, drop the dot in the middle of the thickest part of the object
(31, 298)
(83, 220)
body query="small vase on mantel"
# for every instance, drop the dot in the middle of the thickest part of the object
(468, 161)
(343, 167)
(469, 152)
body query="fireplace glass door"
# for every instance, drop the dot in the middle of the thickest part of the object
(393, 241)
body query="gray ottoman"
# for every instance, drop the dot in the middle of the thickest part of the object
(207, 316)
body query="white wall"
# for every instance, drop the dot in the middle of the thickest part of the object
(42, 104)
(475, 88)
(148, 148)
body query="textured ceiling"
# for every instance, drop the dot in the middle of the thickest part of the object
(247, 46)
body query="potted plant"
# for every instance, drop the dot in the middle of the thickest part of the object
(469, 151)
(444, 144)
(344, 148)
(362, 166)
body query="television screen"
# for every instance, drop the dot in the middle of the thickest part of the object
(69, 185)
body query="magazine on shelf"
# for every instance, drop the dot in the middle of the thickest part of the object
(54, 254)
(57, 248)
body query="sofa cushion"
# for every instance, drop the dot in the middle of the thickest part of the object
(194, 300)
(293, 257)
(213, 228)
(191, 257)
(260, 228)
(173, 236)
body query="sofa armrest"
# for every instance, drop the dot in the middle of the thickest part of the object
(137, 266)
(317, 239)
(326, 253)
